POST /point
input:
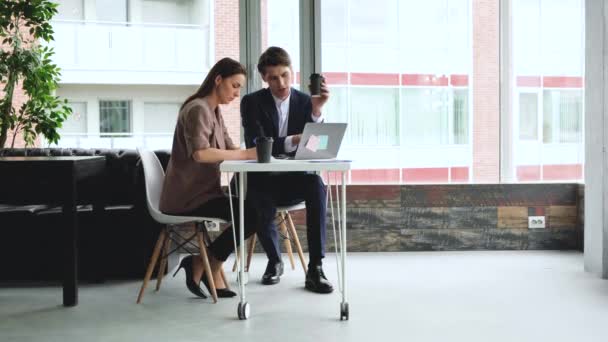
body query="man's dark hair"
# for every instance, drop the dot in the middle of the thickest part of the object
(273, 56)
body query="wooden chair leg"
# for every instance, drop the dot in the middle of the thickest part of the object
(250, 248)
(237, 255)
(206, 266)
(286, 242)
(163, 261)
(296, 242)
(151, 265)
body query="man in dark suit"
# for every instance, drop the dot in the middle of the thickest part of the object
(281, 112)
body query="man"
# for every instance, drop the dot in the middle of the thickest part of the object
(281, 112)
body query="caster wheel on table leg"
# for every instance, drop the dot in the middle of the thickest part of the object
(344, 311)
(243, 311)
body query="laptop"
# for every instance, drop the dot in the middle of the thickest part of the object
(319, 141)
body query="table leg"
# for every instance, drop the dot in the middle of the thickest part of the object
(344, 304)
(100, 243)
(70, 262)
(243, 308)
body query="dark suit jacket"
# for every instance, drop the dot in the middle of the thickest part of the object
(259, 112)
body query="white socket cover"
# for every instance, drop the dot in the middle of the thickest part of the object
(536, 222)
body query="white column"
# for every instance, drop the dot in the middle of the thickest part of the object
(596, 109)
(250, 35)
(310, 40)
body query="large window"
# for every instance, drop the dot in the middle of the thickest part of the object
(528, 116)
(547, 95)
(374, 118)
(280, 27)
(563, 116)
(421, 84)
(399, 75)
(114, 116)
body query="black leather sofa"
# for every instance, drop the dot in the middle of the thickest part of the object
(31, 248)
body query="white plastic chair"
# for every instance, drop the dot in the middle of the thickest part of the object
(154, 177)
(288, 231)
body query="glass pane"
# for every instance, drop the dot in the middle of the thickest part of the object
(115, 117)
(528, 116)
(111, 10)
(548, 86)
(374, 117)
(70, 10)
(461, 117)
(281, 27)
(563, 116)
(425, 115)
(399, 74)
(171, 12)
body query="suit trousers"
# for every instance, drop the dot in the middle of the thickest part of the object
(266, 191)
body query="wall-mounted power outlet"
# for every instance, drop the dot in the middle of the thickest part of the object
(536, 222)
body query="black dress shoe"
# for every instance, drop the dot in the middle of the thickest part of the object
(316, 280)
(273, 273)
(186, 264)
(221, 293)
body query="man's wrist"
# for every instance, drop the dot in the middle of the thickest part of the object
(289, 146)
(317, 117)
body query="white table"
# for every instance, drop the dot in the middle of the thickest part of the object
(242, 167)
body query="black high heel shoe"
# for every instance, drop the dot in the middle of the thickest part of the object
(221, 293)
(186, 264)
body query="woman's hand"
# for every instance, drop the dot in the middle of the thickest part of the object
(251, 153)
(214, 155)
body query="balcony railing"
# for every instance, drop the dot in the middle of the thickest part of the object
(152, 141)
(131, 53)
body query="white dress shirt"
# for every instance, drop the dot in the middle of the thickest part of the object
(283, 111)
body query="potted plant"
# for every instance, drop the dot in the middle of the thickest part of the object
(26, 63)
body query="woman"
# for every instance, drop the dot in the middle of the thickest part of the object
(192, 183)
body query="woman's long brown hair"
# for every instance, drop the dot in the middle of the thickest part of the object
(225, 67)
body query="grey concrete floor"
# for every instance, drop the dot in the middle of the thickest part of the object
(426, 296)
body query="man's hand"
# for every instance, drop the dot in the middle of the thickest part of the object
(296, 139)
(318, 102)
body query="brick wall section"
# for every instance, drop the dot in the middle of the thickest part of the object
(18, 99)
(486, 115)
(395, 218)
(226, 14)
